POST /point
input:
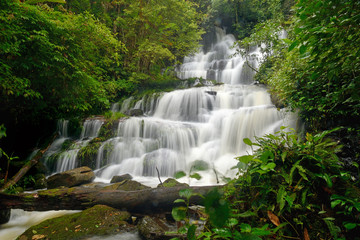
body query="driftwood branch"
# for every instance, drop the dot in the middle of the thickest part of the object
(26, 168)
(78, 198)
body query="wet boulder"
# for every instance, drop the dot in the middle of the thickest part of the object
(127, 185)
(99, 220)
(4, 215)
(136, 112)
(71, 178)
(116, 179)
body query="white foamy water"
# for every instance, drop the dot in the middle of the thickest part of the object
(21, 220)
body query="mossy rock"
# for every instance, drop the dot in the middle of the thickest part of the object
(87, 155)
(127, 185)
(152, 228)
(170, 182)
(4, 215)
(99, 220)
(70, 178)
(116, 179)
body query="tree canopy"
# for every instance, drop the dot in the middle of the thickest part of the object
(70, 59)
(316, 68)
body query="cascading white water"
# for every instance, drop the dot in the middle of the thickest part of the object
(185, 126)
(206, 123)
(67, 159)
(181, 127)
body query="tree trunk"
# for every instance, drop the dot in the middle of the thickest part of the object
(78, 198)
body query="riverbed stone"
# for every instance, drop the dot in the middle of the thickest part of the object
(116, 179)
(4, 215)
(99, 220)
(71, 178)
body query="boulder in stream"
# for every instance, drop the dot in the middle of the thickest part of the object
(71, 178)
(127, 185)
(4, 215)
(116, 179)
(171, 182)
(99, 220)
(136, 112)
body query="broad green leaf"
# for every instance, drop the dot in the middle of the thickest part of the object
(247, 141)
(350, 226)
(245, 159)
(196, 176)
(179, 174)
(179, 201)
(269, 166)
(245, 228)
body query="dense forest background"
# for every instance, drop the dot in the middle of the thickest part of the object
(73, 59)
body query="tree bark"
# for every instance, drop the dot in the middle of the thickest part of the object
(79, 198)
(26, 168)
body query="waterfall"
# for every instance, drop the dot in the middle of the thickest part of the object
(204, 123)
(182, 127)
(91, 128)
(66, 160)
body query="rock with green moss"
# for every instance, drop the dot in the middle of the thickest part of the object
(4, 215)
(116, 179)
(99, 220)
(127, 185)
(170, 182)
(71, 178)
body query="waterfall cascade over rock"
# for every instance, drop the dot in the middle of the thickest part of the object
(184, 127)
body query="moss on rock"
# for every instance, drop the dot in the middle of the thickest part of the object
(99, 220)
(127, 185)
(170, 182)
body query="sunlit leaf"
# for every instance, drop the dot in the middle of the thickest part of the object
(179, 174)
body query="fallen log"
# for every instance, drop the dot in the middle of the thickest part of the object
(79, 198)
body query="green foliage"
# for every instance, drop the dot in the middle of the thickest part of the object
(4, 155)
(156, 33)
(87, 155)
(69, 54)
(288, 181)
(316, 70)
(241, 16)
(325, 39)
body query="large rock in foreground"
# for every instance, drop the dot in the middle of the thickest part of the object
(99, 220)
(71, 178)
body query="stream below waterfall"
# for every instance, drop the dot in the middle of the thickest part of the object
(181, 128)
